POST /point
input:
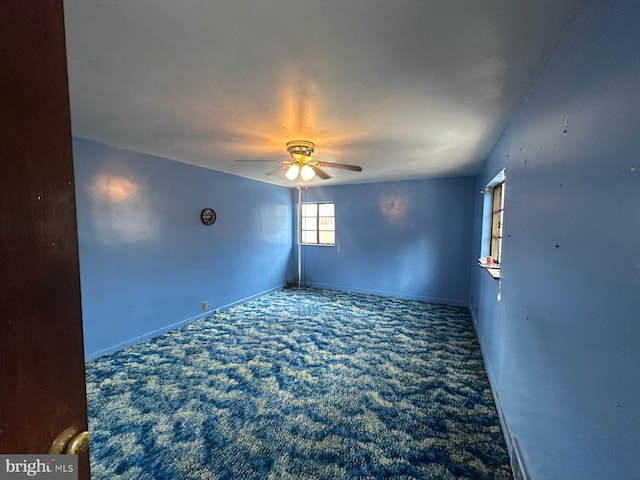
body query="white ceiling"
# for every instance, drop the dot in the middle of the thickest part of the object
(404, 88)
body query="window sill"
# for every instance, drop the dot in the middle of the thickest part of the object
(492, 269)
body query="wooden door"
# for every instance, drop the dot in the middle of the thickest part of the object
(42, 382)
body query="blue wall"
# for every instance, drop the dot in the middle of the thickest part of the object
(562, 345)
(146, 260)
(408, 239)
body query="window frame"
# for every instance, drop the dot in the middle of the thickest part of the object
(317, 229)
(497, 222)
(493, 223)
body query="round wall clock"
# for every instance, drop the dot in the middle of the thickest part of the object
(208, 216)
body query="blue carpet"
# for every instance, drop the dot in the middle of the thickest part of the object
(310, 384)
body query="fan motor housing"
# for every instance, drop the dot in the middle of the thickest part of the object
(300, 147)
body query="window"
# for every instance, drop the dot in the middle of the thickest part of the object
(317, 224)
(492, 223)
(497, 214)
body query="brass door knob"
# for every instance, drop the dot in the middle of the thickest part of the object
(71, 442)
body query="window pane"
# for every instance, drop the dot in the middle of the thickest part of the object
(497, 197)
(309, 223)
(327, 237)
(495, 244)
(327, 223)
(326, 210)
(310, 237)
(309, 209)
(496, 228)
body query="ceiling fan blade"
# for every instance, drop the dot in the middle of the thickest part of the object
(344, 166)
(322, 174)
(279, 170)
(263, 161)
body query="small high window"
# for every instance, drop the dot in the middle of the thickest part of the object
(317, 224)
(497, 214)
(492, 223)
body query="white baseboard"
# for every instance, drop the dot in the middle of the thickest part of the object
(383, 293)
(513, 446)
(155, 333)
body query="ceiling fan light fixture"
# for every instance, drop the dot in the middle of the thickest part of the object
(299, 157)
(302, 165)
(307, 173)
(300, 150)
(292, 172)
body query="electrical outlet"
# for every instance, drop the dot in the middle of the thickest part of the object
(204, 305)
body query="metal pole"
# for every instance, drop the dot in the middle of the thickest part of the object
(299, 227)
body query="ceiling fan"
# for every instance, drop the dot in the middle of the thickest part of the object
(302, 165)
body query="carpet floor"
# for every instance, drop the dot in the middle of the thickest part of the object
(300, 384)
